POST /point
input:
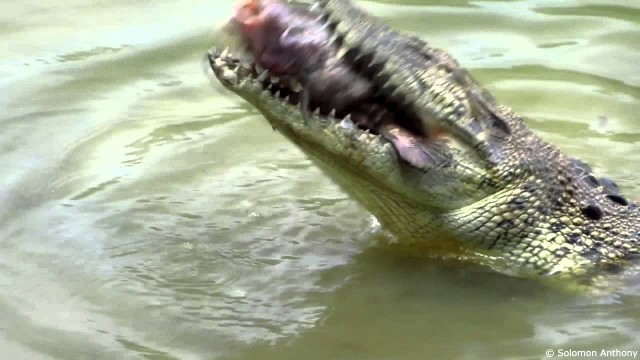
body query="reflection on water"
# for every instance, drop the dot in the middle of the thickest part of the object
(147, 214)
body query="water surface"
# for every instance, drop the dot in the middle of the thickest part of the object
(146, 214)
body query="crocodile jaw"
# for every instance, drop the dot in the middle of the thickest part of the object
(363, 164)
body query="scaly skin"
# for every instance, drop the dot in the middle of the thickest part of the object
(502, 190)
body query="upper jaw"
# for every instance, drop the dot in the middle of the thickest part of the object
(335, 86)
(279, 98)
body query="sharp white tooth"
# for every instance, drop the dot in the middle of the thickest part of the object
(287, 99)
(377, 59)
(296, 86)
(229, 75)
(218, 62)
(396, 93)
(332, 113)
(333, 38)
(275, 79)
(347, 123)
(315, 8)
(224, 53)
(259, 69)
(270, 87)
(341, 52)
(316, 112)
(277, 94)
(263, 76)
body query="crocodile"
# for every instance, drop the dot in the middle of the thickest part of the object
(425, 148)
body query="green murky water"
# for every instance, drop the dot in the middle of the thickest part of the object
(144, 214)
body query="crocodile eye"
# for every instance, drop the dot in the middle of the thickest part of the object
(610, 185)
(618, 199)
(592, 180)
(592, 212)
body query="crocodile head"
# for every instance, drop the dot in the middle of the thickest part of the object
(373, 145)
(407, 132)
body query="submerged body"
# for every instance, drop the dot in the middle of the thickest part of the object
(431, 152)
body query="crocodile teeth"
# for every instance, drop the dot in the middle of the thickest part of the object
(358, 56)
(296, 86)
(316, 112)
(259, 69)
(315, 8)
(377, 59)
(219, 63)
(275, 79)
(263, 76)
(347, 123)
(396, 94)
(224, 53)
(287, 99)
(341, 53)
(332, 113)
(277, 94)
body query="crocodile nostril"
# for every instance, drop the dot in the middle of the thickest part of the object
(593, 212)
(618, 199)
